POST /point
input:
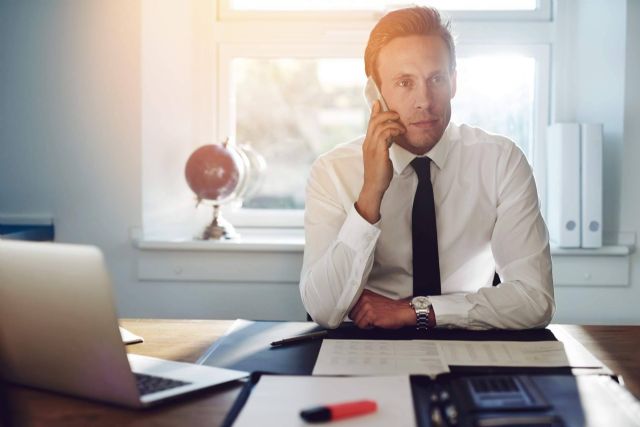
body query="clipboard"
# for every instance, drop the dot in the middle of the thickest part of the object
(545, 400)
(242, 398)
(418, 384)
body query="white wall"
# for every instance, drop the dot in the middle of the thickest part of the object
(597, 58)
(71, 126)
(78, 108)
(70, 111)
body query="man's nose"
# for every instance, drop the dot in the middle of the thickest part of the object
(424, 96)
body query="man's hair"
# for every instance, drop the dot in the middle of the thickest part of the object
(418, 20)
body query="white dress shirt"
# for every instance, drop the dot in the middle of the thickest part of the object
(488, 220)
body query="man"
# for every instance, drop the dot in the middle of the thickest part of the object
(408, 225)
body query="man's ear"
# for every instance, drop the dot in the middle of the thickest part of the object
(454, 84)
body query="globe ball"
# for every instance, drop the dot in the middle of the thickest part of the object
(214, 172)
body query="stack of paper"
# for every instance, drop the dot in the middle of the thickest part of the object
(427, 357)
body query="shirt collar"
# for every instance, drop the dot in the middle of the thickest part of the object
(400, 158)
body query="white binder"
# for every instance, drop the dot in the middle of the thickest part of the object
(563, 185)
(591, 171)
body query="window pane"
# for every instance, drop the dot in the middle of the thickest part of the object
(291, 111)
(315, 5)
(496, 93)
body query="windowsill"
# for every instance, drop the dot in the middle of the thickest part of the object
(609, 250)
(258, 256)
(249, 240)
(275, 255)
(292, 240)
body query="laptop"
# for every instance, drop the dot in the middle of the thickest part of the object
(59, 331)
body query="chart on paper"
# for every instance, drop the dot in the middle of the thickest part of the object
(379, 357)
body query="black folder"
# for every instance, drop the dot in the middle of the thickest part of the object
(563, 399)
(246, 347)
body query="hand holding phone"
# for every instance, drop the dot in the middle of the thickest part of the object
(384, 126)
(372, 94)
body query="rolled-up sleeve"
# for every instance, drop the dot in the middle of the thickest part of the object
(339, 250)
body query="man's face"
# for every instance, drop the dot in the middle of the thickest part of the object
(417, 84)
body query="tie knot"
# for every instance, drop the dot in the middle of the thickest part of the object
(422, 167)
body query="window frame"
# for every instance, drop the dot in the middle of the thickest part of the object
(542, 12)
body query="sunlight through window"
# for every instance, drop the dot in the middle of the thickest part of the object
(295, 109)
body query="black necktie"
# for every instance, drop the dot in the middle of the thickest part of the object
(426, 267)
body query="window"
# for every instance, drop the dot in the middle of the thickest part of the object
(292, 88)
(299, 108)
(211, 70)
(291, 110)
(293, 103)
(505, 92)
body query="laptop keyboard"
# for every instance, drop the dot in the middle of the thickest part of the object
(151, 384)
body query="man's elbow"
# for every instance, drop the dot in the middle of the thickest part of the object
(326, 320)
(543, 312)
(323, 316)
(533, 313)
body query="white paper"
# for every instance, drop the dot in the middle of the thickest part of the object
(278, 399)
(510, 353)
(129, 337)
(430, 357)
(379, 357)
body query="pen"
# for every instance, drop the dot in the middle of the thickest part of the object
(338, 411)
(300, 338)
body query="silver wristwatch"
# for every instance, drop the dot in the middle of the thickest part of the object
(422, 307)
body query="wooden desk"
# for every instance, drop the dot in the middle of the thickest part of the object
(186, 340)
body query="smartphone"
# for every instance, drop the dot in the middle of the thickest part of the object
(372, 94)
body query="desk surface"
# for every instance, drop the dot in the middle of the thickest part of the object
(186, 340)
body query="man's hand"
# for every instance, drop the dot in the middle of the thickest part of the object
(375, 310)
(383, 127)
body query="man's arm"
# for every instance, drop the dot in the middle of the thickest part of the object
(378, 170)
(520, 246)
(375, 310)
(338, 254)
(340, 244)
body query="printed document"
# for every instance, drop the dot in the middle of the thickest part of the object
(379, 357)
(430, 357)
(550, 354)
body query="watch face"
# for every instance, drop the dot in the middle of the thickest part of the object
(420, 303)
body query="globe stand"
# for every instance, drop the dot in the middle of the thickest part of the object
(219, 229)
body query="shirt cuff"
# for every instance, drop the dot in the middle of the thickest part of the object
(452, 310)
(358, 233)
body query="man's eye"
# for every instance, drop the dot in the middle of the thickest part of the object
(404, 83)
(438, 79)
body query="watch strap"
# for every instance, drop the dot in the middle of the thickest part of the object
(422, 320)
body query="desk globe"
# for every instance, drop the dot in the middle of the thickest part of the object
(222, 173)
